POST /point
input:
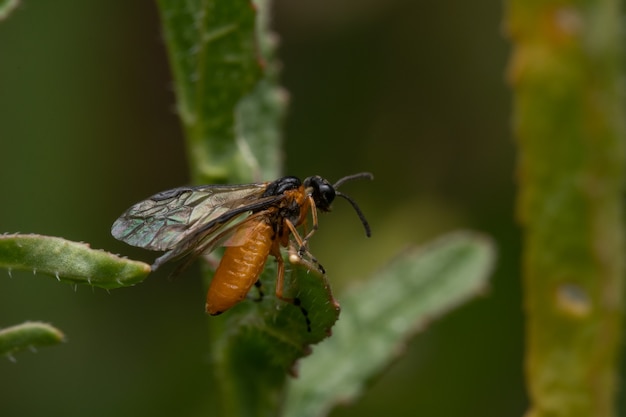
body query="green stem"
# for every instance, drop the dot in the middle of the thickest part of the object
(566, 72)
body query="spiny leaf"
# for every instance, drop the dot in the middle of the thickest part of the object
(215, 63)
(380, 316)
(260, 114)
(256, 344)
(69, 261)
(29, 335)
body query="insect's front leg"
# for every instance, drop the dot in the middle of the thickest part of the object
(306, 258)
(302, 243)
(280, 284)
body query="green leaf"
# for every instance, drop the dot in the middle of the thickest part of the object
(28, 335)
(260, 114)
(379, 317)
(7, 7)
(256, 344)
(215, 63)
(69, 261)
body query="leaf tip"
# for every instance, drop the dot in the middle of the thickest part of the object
(29, 335)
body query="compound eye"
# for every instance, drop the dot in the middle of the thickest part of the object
(322, 191)
(327, 193)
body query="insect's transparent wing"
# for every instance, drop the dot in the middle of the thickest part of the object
(170, 217)
(206, 239)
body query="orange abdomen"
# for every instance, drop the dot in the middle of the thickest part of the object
(239, 269)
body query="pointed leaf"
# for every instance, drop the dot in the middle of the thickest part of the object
(28, 335)
(215, 63)
(256, 344)
(69, 261)
(379, 317)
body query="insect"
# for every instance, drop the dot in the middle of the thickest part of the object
(252, 221)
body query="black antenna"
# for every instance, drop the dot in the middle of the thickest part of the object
(360, 175)
(366, 175)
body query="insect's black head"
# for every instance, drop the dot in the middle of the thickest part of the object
(321, 190)
(281, 185)
(324, 193)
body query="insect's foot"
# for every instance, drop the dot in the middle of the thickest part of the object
(259, 287)
(305, 313)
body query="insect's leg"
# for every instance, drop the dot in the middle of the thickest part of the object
(294, 233)
(280, 283)
(259, 286)
(305, 313)
(305, 258)
(280, 279)
(314, 221)
(302, 249)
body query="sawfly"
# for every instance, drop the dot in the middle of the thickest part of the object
(252, 221)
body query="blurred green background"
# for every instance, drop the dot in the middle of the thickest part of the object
(414, 92)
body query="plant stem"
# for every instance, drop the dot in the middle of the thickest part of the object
(566, 73)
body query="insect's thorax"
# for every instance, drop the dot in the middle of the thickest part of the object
(294, 208)
(298, 206)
